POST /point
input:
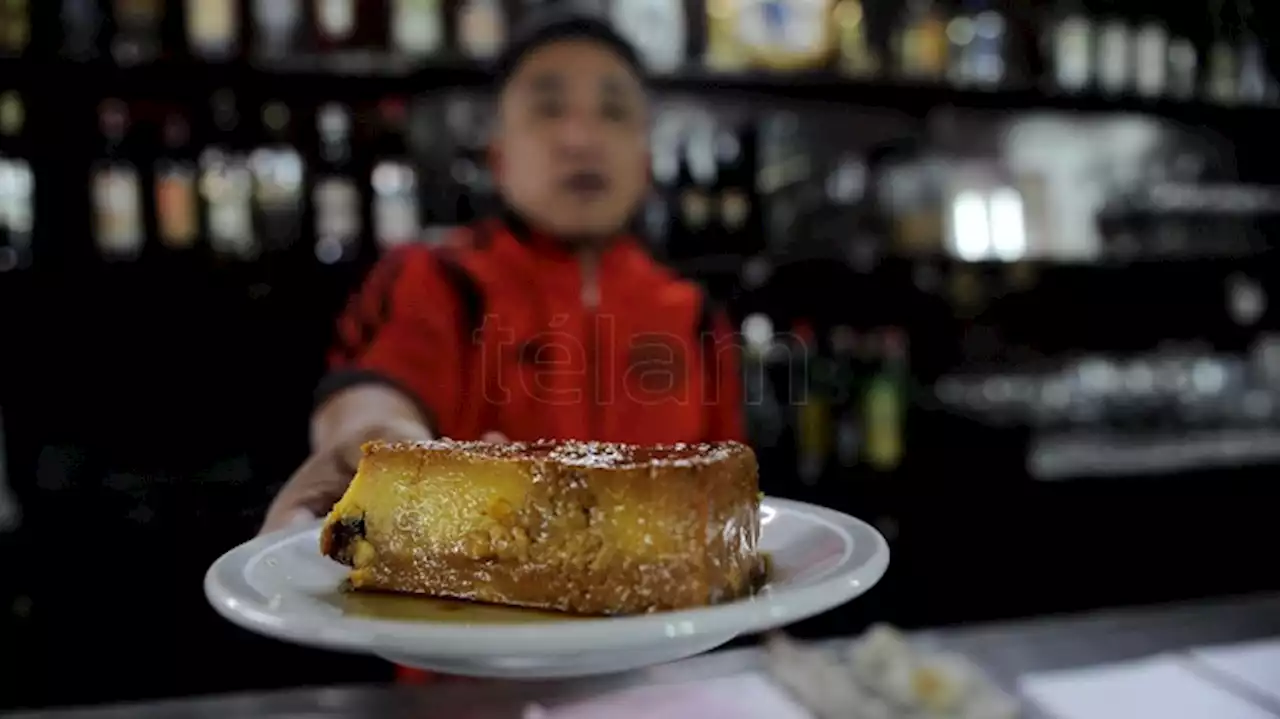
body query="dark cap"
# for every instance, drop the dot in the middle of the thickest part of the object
(551, 25)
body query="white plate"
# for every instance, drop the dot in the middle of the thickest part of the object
(281, 586)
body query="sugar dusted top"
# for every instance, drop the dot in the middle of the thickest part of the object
(574, 453)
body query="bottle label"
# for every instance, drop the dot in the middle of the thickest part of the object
(395, 205)
(336, 18)
(481, 28)
(212, 25)
(276, 17)
(884, 425)
(15, 26)
(1153, 60)
(118, 211)
(734, 210)
(656, 28)
(17, 191)
(227, 187)
(338, 221)
(1222, 72)
(277, 176)
(416, 27)
(176, 207)
(1113, 57)
(813, 423)
(1183, 62)
(696, 208)
(1072, 58)
(786, 27)
(13, 114)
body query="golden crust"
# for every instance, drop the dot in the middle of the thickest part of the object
(584, 527)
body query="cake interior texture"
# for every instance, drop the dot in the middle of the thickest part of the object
(581, 527)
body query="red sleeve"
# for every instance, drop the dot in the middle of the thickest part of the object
(725, 406)
(402, 329)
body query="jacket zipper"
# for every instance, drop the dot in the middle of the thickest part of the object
(590, 268)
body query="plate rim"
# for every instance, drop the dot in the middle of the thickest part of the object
(225, 583)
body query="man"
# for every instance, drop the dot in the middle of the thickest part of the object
(548, 320)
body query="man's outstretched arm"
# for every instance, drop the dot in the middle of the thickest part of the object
(393, 372)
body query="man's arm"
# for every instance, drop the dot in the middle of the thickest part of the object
(724, 383)
(393, 373)
(394, 370)
(362, 413)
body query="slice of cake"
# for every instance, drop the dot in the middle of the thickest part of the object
(583, 527)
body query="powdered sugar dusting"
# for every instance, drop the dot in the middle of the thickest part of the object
(577, 453)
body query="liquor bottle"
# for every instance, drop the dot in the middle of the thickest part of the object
(1222, 64)
(417, 27)
(858, 56)
(119, 230)
(17, 186)
(1115, 51)
(278, 181)
(81, 29)
(848, 407)
(337, 201)
(885, 406)
(482, 28)
(984, 58)
(177, 202)
(695, 187)
(10, 510)
(1255, 83)
(226, 185)
(394, 180)
(1151, 71)
(765, 419)
(1184, 61)
(1072, 47)
(922, 42)
(15, 27)
(213, 28)
(277, 27)
(737, 147)
(658, 30)
(137, 31)
(811, 406)
(665, 155)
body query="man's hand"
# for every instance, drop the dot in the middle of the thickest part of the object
(322, 479)
(310, 492)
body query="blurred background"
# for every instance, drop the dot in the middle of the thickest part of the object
(1026, 249)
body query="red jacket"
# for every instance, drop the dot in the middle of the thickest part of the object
(502, 329)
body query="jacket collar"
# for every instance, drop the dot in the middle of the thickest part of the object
(615, 248)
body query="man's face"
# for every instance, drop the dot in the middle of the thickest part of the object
(572, 150)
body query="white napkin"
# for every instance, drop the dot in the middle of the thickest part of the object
(746, 696)
(1255, 665)
(1159, 687)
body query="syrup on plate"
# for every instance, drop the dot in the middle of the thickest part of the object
(409, 608)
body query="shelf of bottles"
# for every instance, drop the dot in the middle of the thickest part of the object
(287, 71)
(253, 136)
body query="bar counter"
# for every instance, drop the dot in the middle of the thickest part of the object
(1004, 650)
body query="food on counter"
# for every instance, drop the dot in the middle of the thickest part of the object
(882, 676)
(582, 527)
